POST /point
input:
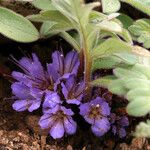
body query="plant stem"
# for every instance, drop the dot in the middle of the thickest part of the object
(87, 66)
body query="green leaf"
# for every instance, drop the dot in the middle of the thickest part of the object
(16, 27)
(105, 63)
(110, 6)
(127, 58)
(121, 72)
(134, 82)
(46, 27)
(67, 8)
(103, 81)
(143, 129)
(71, 39)
(85, 12)
(92, 35)
(108, 63)
(143, 69)
(49, 29)
(50, 15)
(96, 17)
(111, 26)
(141, 31)
(126, 36)
(110, 47)
(126, 20)
(139, 106)
(117, 87)
(137, 92)
(43, 4)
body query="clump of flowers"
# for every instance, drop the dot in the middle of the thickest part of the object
(119, 125)
(57, 89)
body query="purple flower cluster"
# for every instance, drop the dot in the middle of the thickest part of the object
(96, 113)
(119, 123)
(56, 90)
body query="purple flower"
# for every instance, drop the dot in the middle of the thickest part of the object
(26, 98)
(33, 74)
(62, 66)
(44, 81)
(59, 121)
(72, 91)
(51, 101)
(119, 124)
(95, 113)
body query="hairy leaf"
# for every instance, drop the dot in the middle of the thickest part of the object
(43, 4)
(143, 129)
(103, 81)
(110, 47)
(126, 20)
(71, 39)
(16, 27)
(139, 106)
(137, 92)
(117, 87)
(110, 6)
(141, 31)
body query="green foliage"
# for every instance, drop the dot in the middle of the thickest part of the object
(110, 6)
(103, 82)
(109, 47)
(143, 129)
(88, 29)
(126, 20)
(133, 82)
(16, 27)
(43, 4)
(141, 31)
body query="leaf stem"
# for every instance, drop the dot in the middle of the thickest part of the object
(87, 66)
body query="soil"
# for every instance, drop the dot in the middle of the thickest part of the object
(20, 131)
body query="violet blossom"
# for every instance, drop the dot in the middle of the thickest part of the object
(44, 81)
(119, 123)
(95, 113)
(64, 66)
(59, 121)
(72, 91)
(26, 98)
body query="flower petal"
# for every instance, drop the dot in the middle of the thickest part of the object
(70, 126)
(46, 121)
(73, 101)
(71, 63)
(51, 100)
(35, 105)
(20, 90)
(84, 109)
(20, 105)
(105, 109)
(101, 127)
(66, 111)
(64, 90)
(96, 101)
(122, 132)
(58, 62)
(57, 130)
(33, 66)
(124, 121)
